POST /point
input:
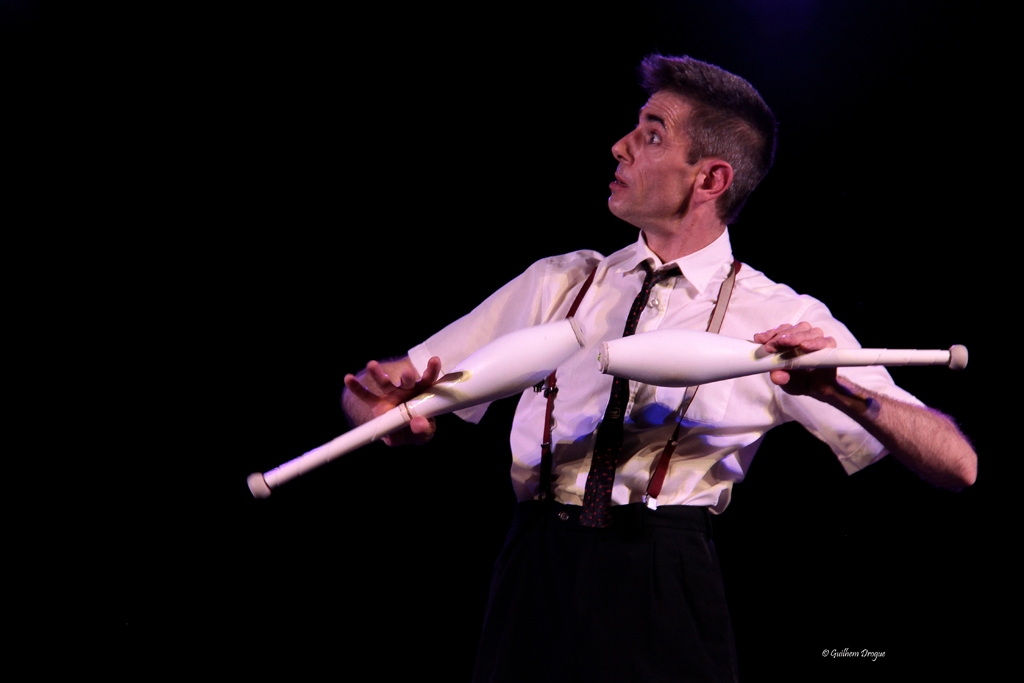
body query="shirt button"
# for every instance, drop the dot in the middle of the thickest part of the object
(563, 515)
(653, 303)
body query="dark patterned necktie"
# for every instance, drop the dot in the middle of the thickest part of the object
(597, 499)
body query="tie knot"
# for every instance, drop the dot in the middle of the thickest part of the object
(655, 276)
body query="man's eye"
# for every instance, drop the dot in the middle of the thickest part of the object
(653, 138)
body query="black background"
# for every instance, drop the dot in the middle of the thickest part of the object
(254, 199)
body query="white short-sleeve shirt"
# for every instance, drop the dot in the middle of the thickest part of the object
(725, 422)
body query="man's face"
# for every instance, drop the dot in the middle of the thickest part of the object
(653, 182)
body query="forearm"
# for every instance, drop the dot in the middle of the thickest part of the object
(924, 440)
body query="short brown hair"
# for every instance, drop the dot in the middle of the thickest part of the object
(729, 120)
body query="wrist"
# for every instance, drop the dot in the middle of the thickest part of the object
(849, 398)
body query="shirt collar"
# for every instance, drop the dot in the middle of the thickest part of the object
(698, 267)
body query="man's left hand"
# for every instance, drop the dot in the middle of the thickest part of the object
(801, 338)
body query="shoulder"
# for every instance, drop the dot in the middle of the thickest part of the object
(755, 286)
(556, 274)
(762, 304)
(537, 295)
(581, 261)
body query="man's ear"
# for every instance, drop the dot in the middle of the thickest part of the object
(714, 177)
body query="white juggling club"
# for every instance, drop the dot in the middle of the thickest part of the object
(508, 365)
(686, 358)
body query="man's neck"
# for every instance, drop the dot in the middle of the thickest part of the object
(683, 240)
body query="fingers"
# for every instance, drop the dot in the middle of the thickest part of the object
(376, 372)
(353, 384)
(408, 379)
(788, 336)
(432, 372)
(419, 431)
(423, 427)
(412, 380)
(372, 387)
(818, 343)
(802, 336)
(382, 386)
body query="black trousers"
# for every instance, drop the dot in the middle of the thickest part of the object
(640, 601)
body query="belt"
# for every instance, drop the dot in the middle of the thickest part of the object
(632, 516)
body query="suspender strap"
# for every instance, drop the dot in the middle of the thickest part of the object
(550, 389)
(714, 325)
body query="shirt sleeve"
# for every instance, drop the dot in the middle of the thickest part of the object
(541, 294)
(852, 444)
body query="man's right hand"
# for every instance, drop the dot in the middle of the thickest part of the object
(383, 386)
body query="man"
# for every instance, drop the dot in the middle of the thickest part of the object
(605, 575)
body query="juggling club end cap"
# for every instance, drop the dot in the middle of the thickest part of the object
(957, 357)
(258, 485)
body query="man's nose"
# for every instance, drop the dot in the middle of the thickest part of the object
(620, 150)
